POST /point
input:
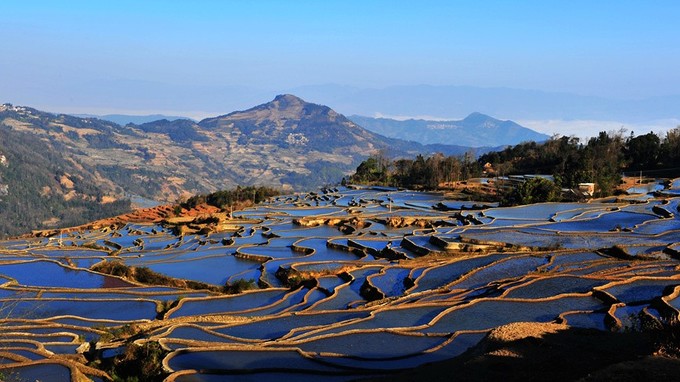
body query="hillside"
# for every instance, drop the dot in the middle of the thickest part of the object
(41, 188)
(476, 130)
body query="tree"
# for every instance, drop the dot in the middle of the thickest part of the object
(670, 148)
(605, 158)
(419, 173)
(369, 171)
(643, 151)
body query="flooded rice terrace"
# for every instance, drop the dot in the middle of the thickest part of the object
(346, 283)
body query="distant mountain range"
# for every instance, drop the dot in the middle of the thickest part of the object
(475, 130)
(413, 101)
(457, 101)
(286, 143)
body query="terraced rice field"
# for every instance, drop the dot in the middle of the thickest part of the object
(348, 283)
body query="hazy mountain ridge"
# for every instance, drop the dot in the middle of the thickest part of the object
(124, 119)
(456, 101)
(179, 130)
(476, 130)
(414, 101)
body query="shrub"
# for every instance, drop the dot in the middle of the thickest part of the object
(139, 363)
(239, 286)
(535, 190)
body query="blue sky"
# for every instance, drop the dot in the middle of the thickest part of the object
(65, 54)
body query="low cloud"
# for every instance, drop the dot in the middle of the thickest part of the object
(407, 117)
(590, 128)
(581, 128)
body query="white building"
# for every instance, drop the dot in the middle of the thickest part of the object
(587, 189)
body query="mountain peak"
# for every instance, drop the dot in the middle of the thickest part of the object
(286, 102)
(288, 122)
(477, 117)
(288, 98)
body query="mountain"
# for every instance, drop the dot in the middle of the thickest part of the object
(321, 144)
(288, 122)
(475, 130)
(124, 119)
(286, 143)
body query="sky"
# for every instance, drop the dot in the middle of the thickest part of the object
(170, 56)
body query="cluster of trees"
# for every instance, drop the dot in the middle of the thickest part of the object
(225, 198)
(650, 152)
(600, 160)
(421, 172)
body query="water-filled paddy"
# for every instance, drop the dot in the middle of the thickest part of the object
(488, 314)
(500, 270)
(391, 281)
(404, 316)
(606, 222)
(342, 298)
(553, 286)
(191, 332)
(121, 310)
(541, 212)
(49, 274)
(228, 304)
(278, 327)
(371, 344)
(645, 188)
(211, 270)
(440, 276)
(589, 320)
(244, 359)
(42, 372)
(640, 289)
